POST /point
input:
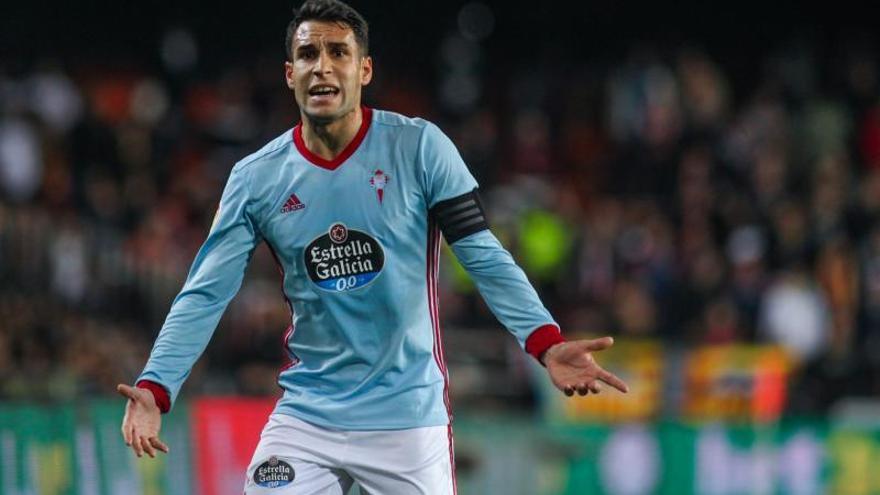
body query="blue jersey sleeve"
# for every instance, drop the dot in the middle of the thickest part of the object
(455, 205)
(214, 278)
(507, 291)
(446, 175)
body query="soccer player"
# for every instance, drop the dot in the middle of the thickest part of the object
(352, 203)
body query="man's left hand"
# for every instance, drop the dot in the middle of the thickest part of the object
(573, 369)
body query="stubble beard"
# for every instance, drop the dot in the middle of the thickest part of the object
(324, 120)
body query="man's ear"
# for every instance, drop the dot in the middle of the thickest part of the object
(288, 74)
(366, 70)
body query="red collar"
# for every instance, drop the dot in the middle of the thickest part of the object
(366, 120)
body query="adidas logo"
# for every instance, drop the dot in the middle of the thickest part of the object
(293, 203)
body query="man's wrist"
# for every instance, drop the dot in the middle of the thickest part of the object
(544, 355)
(542, 339)
(160, 395)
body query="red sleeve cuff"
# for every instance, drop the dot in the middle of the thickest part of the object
(159, 393)
(542, 339)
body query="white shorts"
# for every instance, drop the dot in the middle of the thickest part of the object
(295, 457)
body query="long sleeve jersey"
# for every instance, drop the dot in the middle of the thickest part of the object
(357, 240)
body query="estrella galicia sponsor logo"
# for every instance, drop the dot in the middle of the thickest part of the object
(343, 259)
(273, 473)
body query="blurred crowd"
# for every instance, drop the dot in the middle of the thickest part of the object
(646, 198)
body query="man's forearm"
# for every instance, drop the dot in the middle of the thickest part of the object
(508, 292)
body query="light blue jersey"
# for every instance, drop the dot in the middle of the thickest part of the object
(357, 239)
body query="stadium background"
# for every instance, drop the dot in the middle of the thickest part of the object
(700, 181)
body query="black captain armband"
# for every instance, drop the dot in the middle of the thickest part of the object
(460, 216)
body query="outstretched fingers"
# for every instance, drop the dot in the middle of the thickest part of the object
(148, 448)
(158, 444)
(585, 388)
(127, 432)
(613, 380)
(597, 344)
(144, 445)
(127, 391)
(136, 444)
(585, 368)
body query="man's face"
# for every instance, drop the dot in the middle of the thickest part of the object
(327, 71)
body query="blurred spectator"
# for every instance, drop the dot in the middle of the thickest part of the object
(795, 314)
(21, 160)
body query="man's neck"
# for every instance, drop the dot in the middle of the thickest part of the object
(327, 140)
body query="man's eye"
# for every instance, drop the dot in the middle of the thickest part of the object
(339, 52)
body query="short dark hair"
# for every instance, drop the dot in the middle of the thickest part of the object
(328, 11)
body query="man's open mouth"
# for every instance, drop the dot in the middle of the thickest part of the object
(323, 90)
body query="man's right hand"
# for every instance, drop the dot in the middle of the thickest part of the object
(142, 421)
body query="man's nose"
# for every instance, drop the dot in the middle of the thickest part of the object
(322, 65)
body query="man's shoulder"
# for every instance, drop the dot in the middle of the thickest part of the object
(412, 132)
(394, 120)
(269, 151)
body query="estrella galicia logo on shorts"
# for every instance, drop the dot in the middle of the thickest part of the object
(273, 473)
(343, 259)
